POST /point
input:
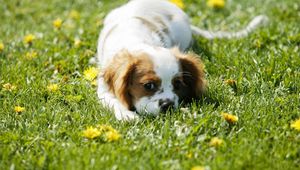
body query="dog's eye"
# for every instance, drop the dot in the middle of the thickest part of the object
(177, 84)
(149, 86)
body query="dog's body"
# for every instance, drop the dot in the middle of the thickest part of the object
(140, 55)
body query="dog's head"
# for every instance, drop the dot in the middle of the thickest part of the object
(153, 81)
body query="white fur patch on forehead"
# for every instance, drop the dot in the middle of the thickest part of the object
(165, 63)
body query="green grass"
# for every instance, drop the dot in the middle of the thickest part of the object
(48, 135)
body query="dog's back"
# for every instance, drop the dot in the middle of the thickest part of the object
(152, 22)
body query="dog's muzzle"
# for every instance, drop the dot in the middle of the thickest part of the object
(165, 105)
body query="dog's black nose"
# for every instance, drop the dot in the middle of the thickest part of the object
(165, 104)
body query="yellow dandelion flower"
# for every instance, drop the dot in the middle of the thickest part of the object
(74, 14)
(105, 128)
(30, 55)
(1, 47)
(9, 87)
(198, 168)
(296, 124)
(57, 23)
(216, 3)
(19, 109)
(77, 42)
(112, 136)
(91, 73)
(229, 117)
(215, 142)
(91, 133)
(53, 87)
(178, 3)
(230, 82)
(28, 39)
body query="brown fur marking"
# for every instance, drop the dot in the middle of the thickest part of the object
(127, 75)
(192, 76)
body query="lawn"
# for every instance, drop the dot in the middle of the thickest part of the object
(47, 45)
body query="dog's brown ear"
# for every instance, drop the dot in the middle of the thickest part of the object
(118, 76)
(193, 74)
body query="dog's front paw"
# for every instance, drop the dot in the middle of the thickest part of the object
(126, 115)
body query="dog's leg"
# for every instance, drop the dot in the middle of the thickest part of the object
(109, 100)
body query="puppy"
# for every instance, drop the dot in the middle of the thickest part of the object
(141, 55)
